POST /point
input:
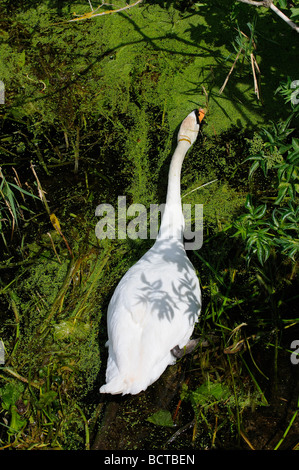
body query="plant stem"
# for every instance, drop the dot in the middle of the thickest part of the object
(87, 441)
(230, 72)
(288, 428)
(76, 149)
(41, 192)
(284, 17)
(19, 377)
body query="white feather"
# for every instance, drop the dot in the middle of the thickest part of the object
(157, 302)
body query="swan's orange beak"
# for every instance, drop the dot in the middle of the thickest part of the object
(201, 114)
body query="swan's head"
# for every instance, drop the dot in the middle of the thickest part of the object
(190, 126)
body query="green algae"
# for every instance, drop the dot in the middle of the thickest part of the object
(166, 53)
(58, 348)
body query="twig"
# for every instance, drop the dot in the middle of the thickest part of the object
(41, 192)
(256, 88)
(180, 431)
(93, 13)
(230, 72)
(76, 150)
(215, 432)
(284, 17)
(207, 97)
(247, 440)
(53, 246)
(17, 180)
(20, 377)
(269, 4)
(256, 4)
(56, 225)
(205, 184)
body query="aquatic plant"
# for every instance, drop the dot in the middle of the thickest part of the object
(11, 209)
(261, 229)
(246, 45)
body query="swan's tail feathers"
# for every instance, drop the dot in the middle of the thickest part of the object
(114, 389)
(136, 381)
(119, 385)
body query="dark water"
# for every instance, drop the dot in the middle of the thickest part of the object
(124, 424)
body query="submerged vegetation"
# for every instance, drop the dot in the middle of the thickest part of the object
(91, 111)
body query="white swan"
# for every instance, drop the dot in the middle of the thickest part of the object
(156, 304)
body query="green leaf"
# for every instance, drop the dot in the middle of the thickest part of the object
(219, 391)
(263, 252)
(10, 394)
(274, 218)
(260, 211)
(253, 168)
(23, 191)
(289, 172)
(295, 13)
(291, 191)
(270, 136)
(283, 3)
(295, 141)
(248, 203)
(17, 421)
(209, 392)
(161, 418)
(282, 192)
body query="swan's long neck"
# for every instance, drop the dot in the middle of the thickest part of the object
(174, 175)
(172, 225)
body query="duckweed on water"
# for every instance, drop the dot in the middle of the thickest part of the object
(58, 350)
(94, 105)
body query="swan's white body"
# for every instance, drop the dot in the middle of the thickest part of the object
(157, 302)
